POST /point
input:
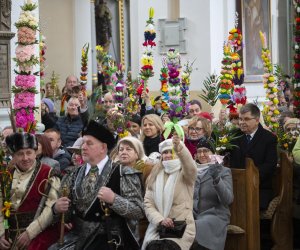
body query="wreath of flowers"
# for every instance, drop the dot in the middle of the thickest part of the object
(296, 78)
(226, 85)
(270, 110)
(24, 89)
(148, 47)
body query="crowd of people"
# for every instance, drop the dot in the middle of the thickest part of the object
(142, 191)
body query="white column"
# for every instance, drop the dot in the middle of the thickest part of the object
(15, 13)
(82, 35)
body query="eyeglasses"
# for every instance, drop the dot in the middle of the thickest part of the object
(197, 129)
(246, 119)
(203, 151)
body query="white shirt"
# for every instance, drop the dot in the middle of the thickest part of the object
(252, 134)
(100, 166)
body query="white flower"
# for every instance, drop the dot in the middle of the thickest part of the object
(31, 23)
(298, 9)
(296, 46)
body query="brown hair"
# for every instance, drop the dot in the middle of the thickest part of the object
(46, 145)
(51, 130)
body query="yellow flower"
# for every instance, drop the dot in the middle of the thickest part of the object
(275, 90)
(99, 48)
(271, 79)
(151, 12)
(276, 112)
(275, 101)
(285, 145)
(224, 140)
(6, 208)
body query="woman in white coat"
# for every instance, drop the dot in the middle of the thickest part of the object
(169, 195)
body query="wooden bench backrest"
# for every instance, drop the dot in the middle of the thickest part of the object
(245, 208)
(282, 221)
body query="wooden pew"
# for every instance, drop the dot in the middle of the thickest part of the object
(245, 209)
(282, 220)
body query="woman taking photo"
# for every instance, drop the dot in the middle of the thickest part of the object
(212, 197)
(169, 197)
(152, 128)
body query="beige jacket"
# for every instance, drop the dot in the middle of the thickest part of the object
(182, 207)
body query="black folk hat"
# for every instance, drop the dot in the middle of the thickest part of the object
(100, 132)
(18, 141)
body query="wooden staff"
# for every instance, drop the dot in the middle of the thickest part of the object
(65, 193)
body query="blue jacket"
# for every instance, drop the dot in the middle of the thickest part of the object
(69, 128)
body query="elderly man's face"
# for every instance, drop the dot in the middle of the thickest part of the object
(92, 150)
(72, 107)
(108, 101)
(24, 158)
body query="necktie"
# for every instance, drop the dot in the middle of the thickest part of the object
(248, 138)
(93, 173)
(89, 181)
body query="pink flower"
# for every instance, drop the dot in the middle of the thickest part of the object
(26, 35)
(24, 53)
(271, 85)
(25, 81)
(23, 118)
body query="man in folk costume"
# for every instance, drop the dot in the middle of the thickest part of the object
(33, 191)
(105, 199)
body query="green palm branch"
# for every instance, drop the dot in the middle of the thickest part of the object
(211, 89)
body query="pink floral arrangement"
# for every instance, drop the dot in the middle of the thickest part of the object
(24, 100)
(26, 35)
(25, 81)
(24, 53)
(24, 89)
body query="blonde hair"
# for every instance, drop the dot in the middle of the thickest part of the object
(152, 177)
(157, 122)
(206, 124)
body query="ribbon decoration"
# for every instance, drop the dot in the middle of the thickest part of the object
(169, 126)
(217, 158)
(6, 208)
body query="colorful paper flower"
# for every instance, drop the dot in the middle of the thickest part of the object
(270, 111)
(147, 60)
(226, 85)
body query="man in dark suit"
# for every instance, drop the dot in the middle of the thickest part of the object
(258, 144)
